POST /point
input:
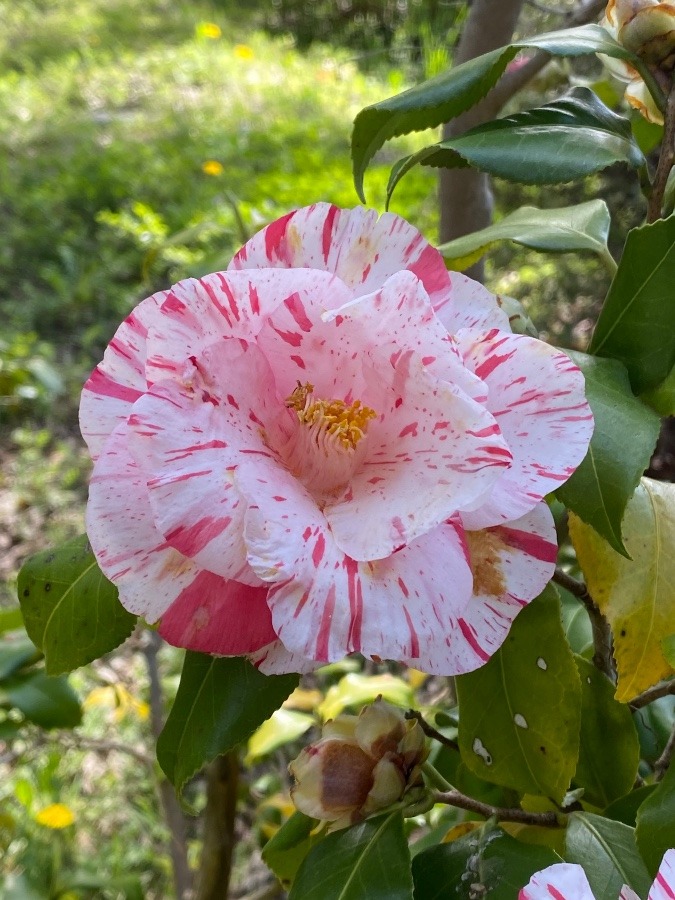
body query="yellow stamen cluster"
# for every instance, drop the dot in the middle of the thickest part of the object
(347, 424)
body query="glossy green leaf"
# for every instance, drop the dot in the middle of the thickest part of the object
(356, 690)
(520, 712)
(625, 809)
(10, 619)
(559, 142)
(46, 701)
(70, 609)
(654, 724)
(16, 651)
(637, 322)
(609, 749)
(283, 726)
(368, 860)
(601, 487)
(655, 830)
(220, 702)
(607, 851)
(448, 95)
(286, 849)
(637, 595)
(668, 648)
(576, 623)
(563, 230)
(662, 397)
(495, 862)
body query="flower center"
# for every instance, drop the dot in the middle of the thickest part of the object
(328, 443)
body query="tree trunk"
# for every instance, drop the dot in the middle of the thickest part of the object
(464, 194)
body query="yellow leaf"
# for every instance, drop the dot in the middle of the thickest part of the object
(56, 816)
(283, 726)
(301, 698)
(458, 831)
(357, 690)
(636, 595)
(416, 678)
(460, 263)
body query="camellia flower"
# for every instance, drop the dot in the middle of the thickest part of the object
(335, 446)
(646, 28)
(360, 765)
(567, 881)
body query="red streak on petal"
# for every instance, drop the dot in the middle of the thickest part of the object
(491, 363)
(327, 234)
(404, 588)
(355, 592)
(324, 629)
(274, 235)
(431, 271)
(531, 544)
(306, 534)
(255, 300)
(289, 337)
(234, 306)
(485, 432)
(470, 638)
(409, 429)
(555, 893)
(662, 882)
(427, 360)
(102, 384)
(299, 361)
(295, 307)
(213, 297)
(319, 550)
(414, 641)
(190, 540)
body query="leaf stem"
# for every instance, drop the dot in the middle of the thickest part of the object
(430, 731)
(435, 777)
(666, 160)
(654, 693)
(602, 634)
(502, 814)
(662, 764)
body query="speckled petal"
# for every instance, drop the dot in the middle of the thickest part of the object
(664, 884)
(562, 881)
(119, 380)
(536, 394)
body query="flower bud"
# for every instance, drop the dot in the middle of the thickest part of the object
(361, 764)
(646, 28)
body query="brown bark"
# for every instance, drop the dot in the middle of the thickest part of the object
(222, 776)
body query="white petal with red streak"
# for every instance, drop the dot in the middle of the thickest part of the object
(524, 559)
(324, 604)
(431, 452)
(360, 248)
(470, 305)
(562, 881)
(201, 312)
(275, 659)
(188, 438)
(664, 884)
(119, 380)
(536, 394)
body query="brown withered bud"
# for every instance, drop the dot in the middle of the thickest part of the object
(646, 28)
(361, 764)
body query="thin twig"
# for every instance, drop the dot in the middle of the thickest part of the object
(666, 160)
(654, 693)
(602, 635)
(430, 731)
(502, 814)
(76, 742)
(662, 764)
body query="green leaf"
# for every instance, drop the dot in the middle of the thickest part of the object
(601, 487)
(10, 619)
(368, 860)
(654, 724)
(635, 595)
(609, 749)
(625, 809)
(662, 398)
(637, 322)
(46, 701)
(70, 609)
(283, 726)
(220, 702)
(559, 142)
(520, 712)
(286, 849)
(15, 652)
(655, 832)
(607, 852)
(576, 623)
(496, 861)
(447, 96)
(356, 690)
(668, 648)
(563, 230)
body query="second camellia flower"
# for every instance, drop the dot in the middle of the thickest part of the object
(334, 446)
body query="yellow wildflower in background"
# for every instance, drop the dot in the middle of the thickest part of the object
(243, 51)
(208, 30)
(212, 167)
(118, 699)
(57, 815)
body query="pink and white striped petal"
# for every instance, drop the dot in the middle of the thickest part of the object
(470, 305)
(325, 604)
(130, 550)
(275, 659)
(201, 312)
(511, 564)
(362, 249)
(536, 394)
(401, 313)
(119, 380)
(431, 452)
(189, 437)
(562, 881)
(664, 884)
(213, 615)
